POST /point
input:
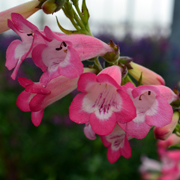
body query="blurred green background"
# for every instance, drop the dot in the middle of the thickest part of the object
(58, 148)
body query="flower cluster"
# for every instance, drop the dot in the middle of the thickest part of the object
(119, 113)
(110, 104)
(168, 168)
(58, 55)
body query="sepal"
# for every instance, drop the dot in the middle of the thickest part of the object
(112, 57)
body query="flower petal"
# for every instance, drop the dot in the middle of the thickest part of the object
(89, 133)
(86, 81)
(102, 126)
(160, 114)
(128, 111)
(135, 129)
(76, 113)
(36, 117)
(167, 93)
(36, 102)
(24, 81)
(23, 100)
(11, 61)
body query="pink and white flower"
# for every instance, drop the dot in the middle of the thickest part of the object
(20, 50)
(36, 97)
(152, 108)
(117, 143)
(64, 53)
(102, 102)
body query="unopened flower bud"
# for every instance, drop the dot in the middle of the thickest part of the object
(26, 10)
(49, 6)
(148, 77)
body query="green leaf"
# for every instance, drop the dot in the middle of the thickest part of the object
(85, 12)
(65, 30)
(140, 80)
(175, 146)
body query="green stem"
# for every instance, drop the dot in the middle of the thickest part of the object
(130, 80)
(71, 19)
(83, 25)
(98, 65)
(79, 12)
(79, 22)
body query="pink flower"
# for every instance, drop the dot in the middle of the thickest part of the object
(164, 132)
(26, 10)
(19, 50)
(171, 140)
(152, 108)
(64, 53)
(102, 102)
(170, 164)
(117, 143)
(36, 97)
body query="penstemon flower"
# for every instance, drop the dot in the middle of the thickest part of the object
(36, 97)
(63, 54)
(117, 143)
(150, 102)
(19, 50)
(167, 169)
(102, 102)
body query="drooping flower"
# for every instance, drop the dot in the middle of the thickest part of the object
(102, 102)
(117, 143)
(26, 10)
(152, 108)
(36, 97)
(64, 53)
(148, 77)
(19, 50)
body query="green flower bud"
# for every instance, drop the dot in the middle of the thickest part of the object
(49, 6)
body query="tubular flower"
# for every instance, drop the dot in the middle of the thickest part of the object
(36, 97)
(102, 102)
(117, 143)
(152, 108)
(164, 132)
(148, 77)
(26, 10)
(19, 50)
(64, 53)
